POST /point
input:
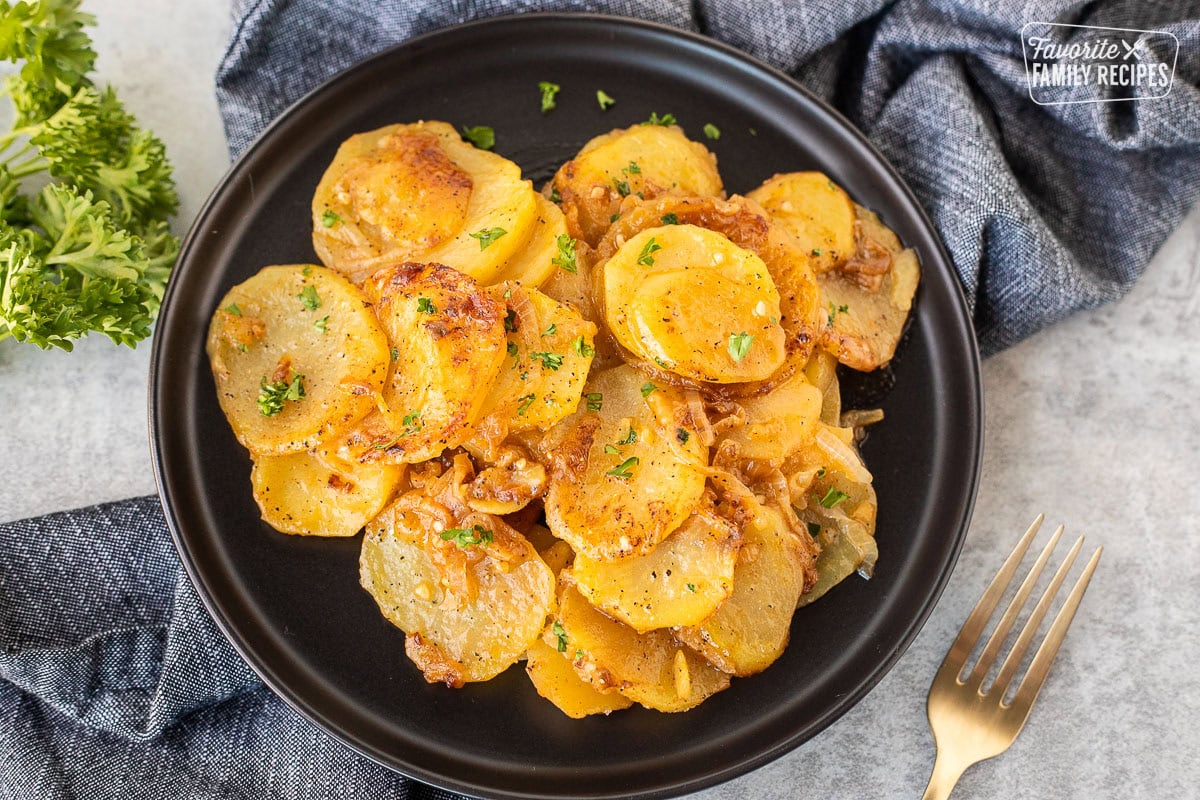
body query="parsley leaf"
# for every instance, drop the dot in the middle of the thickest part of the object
(310, 298)
(630, 437)
(549, 91)
(604, 100)
(624, 469)
(234, 309)
(525, 402)
(682, 435)
(426, 306)
(550, 361)
(272, 394)
(595, 401)
(466, 538)
(664, 120)
(329, 219)
(412, 423)
(835, 310)
(646, 257)
(481, 136)
(566, 254)
(561, 635)
(648, 389)
(322, 324)
(712, 131)
(833, 497)
(582, 347)
(487, 235)
(670, 219)
(739, 345)
(632, 169)
(512, 349)
(550, 330)
(622, 187)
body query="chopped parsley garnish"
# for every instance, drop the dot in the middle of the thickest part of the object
(481, 136)
(272, 394)
(306, 271)
(581, 347)
(412, 423)
(646, 257)
(310, 298)
(648, 389)
(321, 324)
(614, 218)
(632, 169)
(712, 131)
(835, 310)
(595, 400)
(512, 349)
(425, 306)
(612, 450)
(816, 251)
(622, 187)
(578, 654)
(664, 120)
(821, 472)
(753, 132)
(670, 219)
(550, 361)
(233, 308)
(555, 196)
(739, 345)
(561, 635)
(550, 331)
(329, 219)
(525, 402)
(566, 254)
(487, 235)
(624, 469)
(603, 99)
(833, 497)
(630, 437)
(549, 91)
(682, 435)
(395, 354)
(691, 587)
(510, 321)
(814, 529)
(466, 538)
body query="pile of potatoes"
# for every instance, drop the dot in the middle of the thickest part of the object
(596, 428)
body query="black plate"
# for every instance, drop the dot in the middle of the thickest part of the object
(292, 606)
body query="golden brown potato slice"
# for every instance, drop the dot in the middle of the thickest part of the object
(648, 668)
(868, 298)
(680, 582)
(556, 680)
(549, 351)
(448, 335)
(296, 352)
(693, 302)
(420, 193)
(750, 629)
(314, 494)
(814, 210)
(472, 598)
(535, 262)
(641, 161)
(780, 422)
(626, 469)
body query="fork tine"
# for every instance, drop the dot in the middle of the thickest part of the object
(1017, 654)
(973, 627)
(1036, 677)
(988, 656)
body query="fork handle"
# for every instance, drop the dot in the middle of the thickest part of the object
(946, 772)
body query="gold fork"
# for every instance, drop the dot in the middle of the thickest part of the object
(970, 724)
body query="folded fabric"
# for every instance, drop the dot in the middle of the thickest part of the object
(115, 683)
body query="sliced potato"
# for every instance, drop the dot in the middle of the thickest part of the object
(534, 263)
(680, 582)
(661, 289)
(448, 336)
(556, 680)
(317, 495)
(417, 193)
(649, 668)
(622, 479)
(750, 629)
(549, 351)
(470, 610)
(868, 298)
(296, 352)
(815, 211)
(644, 160)
(779, 422)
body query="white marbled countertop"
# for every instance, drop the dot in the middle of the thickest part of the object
(1093, 422)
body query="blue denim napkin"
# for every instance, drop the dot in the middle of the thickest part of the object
(114, 682)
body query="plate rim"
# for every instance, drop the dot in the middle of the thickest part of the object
(707, 777)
